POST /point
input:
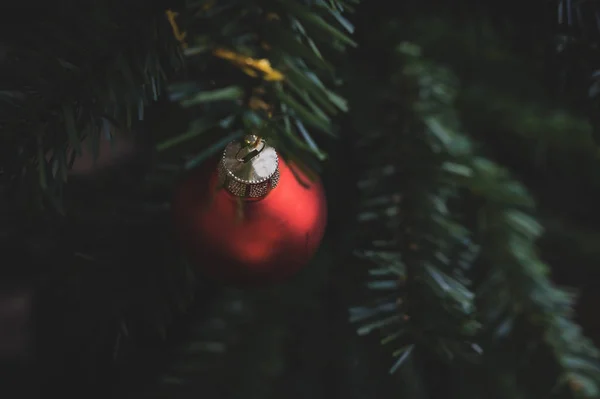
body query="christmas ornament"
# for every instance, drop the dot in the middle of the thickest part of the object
(254, 219)
(112, 151)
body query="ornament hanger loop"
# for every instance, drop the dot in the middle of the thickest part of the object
(249, 168)
(252, 148)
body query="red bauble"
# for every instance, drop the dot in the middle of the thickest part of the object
(111, 153)
(250, 242)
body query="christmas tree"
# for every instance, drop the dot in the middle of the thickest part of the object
(168, 170)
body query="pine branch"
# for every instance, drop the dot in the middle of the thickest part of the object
(521, 101)
(414, 243)
(448, 194)
(535, 130)
(257, 66)
(73, 74)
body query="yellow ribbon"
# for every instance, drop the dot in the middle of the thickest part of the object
(251, 66)
(179, 35)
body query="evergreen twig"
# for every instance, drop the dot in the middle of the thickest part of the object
(268, 56)
(515, 299)
(73, 74)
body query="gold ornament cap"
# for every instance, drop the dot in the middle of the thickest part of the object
(249, 168)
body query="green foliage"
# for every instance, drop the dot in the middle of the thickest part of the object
(63, 82)
(412, 235)
(257, 66)
(462, 212)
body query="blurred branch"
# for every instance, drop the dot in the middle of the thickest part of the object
(412, 240)
(516, 302)
(73, 74)
(516, 288)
